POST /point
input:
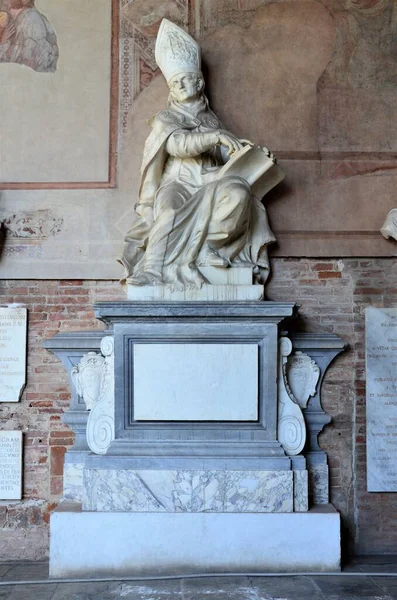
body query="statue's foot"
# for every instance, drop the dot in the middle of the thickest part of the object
(212, 259)
(144, 278)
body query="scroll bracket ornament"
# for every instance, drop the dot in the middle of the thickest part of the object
(291, 423)
(93, 379)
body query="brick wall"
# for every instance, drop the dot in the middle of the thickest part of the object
(53, 306)
(332, 296)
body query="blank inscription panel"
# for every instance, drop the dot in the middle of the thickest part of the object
(195, 382)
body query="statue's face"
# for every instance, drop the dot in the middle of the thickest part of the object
(185, 86)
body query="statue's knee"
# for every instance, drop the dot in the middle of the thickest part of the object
(240, 193)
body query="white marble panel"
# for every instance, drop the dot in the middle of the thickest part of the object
(188, 491)
(13, 323)
(196, 382)
(10, 465)
(381, 370)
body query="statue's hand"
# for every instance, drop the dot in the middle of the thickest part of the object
(231, 142)
(246, 142)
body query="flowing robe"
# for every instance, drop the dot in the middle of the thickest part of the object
(34, 43)
(196, 215)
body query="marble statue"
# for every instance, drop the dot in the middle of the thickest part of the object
(193, 211)
(389, 227)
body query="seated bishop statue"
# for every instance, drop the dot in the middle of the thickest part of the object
(190, 213)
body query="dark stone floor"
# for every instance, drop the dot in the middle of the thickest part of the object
(369, 578)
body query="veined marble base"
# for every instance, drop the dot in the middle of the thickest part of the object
(194, 491)
(73, 479)
(138, 544)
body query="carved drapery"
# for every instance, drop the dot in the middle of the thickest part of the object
(291, 424)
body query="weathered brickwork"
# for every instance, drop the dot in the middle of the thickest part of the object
(332, 295)
(53, 306)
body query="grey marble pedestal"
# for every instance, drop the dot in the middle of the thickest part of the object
(237, 340)
(194, 451)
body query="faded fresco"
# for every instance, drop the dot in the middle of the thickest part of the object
(366, 44)
(356, 94)
(27, 37)
(72, 104)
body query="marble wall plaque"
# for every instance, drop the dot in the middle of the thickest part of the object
(12, 353)
(196, 382)
(381, 368)
(10, 465)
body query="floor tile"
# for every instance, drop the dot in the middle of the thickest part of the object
(340, 585)
(5, 591)
(88, 591)
(388, 584)
(294, 587)
(215, 583)
(33, 592)
(380, 596)
(156, 590)
(217, 588)
(319, 587)
(4, 567)
(27, 571)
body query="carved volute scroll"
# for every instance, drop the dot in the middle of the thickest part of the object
(303, 374)
(94, 381)
(291, 424)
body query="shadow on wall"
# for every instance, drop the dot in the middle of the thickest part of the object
(3, 233)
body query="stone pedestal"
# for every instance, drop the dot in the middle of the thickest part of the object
(195, 444)
(139, 544)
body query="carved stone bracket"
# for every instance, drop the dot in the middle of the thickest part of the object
(93, 379)
(291, 424)
(320, 348)
(303, 374)
(70, 348)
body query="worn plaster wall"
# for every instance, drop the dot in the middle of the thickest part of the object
(315, 81)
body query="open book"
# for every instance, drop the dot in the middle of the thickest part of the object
(252, 164)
